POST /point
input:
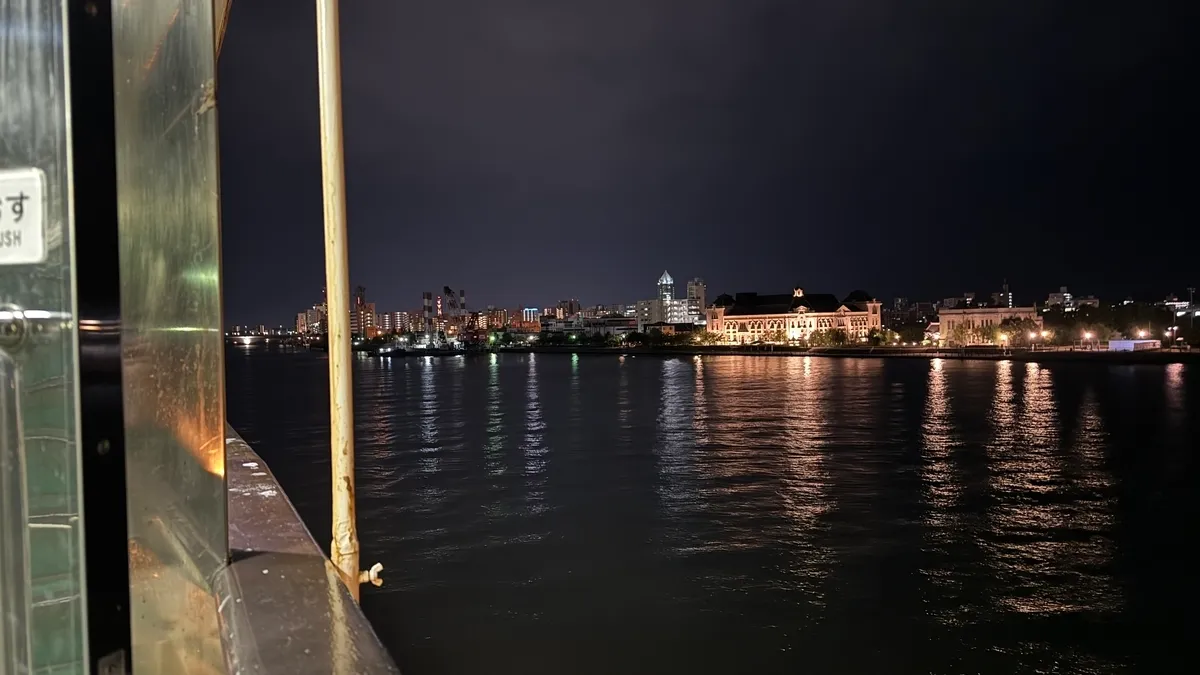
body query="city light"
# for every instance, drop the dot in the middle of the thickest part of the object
(1087, 336)
(1032, 335)
(1141, 333)
(1045, 333)
(1004, 337)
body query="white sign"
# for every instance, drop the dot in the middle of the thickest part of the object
(22, 216)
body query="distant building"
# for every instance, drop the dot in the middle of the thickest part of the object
(497, 318)
(1133, 345)
(1004, 298)
(665, 307)
(314, 319)
(750, 317)
(393, 322)
(966, 300)
(302, 323)
(1174, 303)
(362, 315)
(697, 303)
(1087, 301)
(664, 328)
(973, 323)
(1062, 300)
(567, 308)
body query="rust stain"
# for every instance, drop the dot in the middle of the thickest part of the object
(149, 64)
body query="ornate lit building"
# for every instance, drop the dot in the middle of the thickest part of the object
(750, 317)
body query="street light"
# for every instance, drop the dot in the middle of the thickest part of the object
(1141, 333)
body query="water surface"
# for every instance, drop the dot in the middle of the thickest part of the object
(596, 514)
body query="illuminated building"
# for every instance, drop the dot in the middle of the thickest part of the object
(975, 322)
(302, 322)
(665, 307)
(696, 300)
(1004, 298)
(362, 315)
(792, 317)
(497, 318)
(1063, 299)
(314, 319)
(567, 308)
(392, 322)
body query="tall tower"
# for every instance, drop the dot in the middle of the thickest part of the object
(697, 301)
(666, 287)
(427, 312)
(696, 292)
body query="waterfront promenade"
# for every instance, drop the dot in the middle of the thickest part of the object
(981, 353)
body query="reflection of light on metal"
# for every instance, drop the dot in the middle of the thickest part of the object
(207, 446)
(187, 329)
(202, 276)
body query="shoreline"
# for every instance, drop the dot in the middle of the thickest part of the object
(972, 354)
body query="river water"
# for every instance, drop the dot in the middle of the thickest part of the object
(596, 514)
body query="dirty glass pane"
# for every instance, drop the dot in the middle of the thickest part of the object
(41, 574)
(171, 341)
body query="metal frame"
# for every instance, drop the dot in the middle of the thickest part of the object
(98, 297)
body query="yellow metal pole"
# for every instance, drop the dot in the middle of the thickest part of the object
(344, 549)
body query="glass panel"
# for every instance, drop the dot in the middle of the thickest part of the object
(171, 341)
(41, 538)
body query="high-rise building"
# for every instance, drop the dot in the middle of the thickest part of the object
(666, 287)
(497, 318)
(665, 307)
(302, 322)
(530, 314)
(362, 315)
(427, 312)
(314, 319)
(392, 322)
(567, 308)
(697, 291)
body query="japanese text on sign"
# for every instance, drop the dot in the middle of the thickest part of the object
(22, 222)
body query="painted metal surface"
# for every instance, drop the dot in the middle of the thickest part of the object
(344, 547)
(284, 608)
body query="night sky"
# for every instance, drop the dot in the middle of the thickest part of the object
(530, 151)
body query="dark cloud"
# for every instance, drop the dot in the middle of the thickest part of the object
(531, 151)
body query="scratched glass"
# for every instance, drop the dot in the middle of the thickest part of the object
(41, 539)
(171, 339)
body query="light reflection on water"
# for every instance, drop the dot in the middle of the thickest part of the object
(735, 514)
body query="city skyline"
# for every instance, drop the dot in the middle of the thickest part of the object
(574, 150)
(1001, 296)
